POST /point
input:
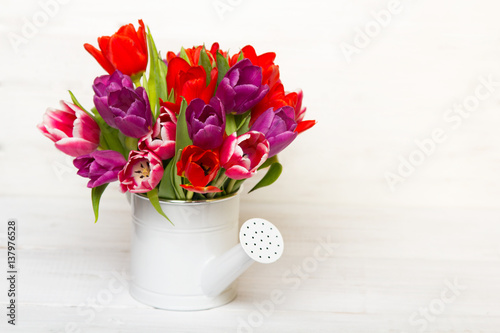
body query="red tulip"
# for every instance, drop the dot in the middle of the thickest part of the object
(270, 71)
(302, 125)
(199, 166)
(275, 98)
(126, 50)
(189, 82)
(201, 189)
(194, 54)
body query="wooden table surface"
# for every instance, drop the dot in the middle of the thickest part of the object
(361, 255)
(353, 270)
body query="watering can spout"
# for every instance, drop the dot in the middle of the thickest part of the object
(260, 241)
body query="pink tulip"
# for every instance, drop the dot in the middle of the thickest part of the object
(241, 156)
(74, 132)
(142, 172)
(161, 140)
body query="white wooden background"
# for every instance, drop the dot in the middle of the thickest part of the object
(395, 252)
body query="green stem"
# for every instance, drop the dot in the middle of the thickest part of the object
(189, 195)
(130, 143)
(217, 184)
(137, 79)
(230, 186)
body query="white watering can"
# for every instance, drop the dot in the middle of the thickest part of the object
(193, 264)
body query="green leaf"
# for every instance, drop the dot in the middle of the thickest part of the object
(230, 124)
(171, 96)
(222, 66)
(94, 111)
(271, 176)
(184, 56)
(182, 139)
(155, 201)
(240, 57)
(75, 101)
(96, 198)
(205, 63)
(157, 84)
(269, 161)
(110, 137)
(243, 124)
(145, 84)
(176, 179)
(163, 79)
(169, 186)
(166, 189)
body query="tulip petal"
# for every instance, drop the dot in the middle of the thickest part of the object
(209, 137)
(239, 172)
(304, 125)
(201, 189)
(108, 67)
(280, 142)
(75, 146)
(125, 55)
(106, 177)
(133, 126)
(228, 148)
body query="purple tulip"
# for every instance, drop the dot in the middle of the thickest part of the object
(101, 166)
(241, 88)
(278, 127)
(206, 123)
(121, 106)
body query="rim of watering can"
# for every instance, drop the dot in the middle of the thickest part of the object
(190, 202)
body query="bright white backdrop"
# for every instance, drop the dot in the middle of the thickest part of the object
(373, 96)
(381, 77)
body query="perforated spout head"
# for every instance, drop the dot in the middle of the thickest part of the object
(260, 241)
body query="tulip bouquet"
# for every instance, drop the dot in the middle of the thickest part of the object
(191, 126)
